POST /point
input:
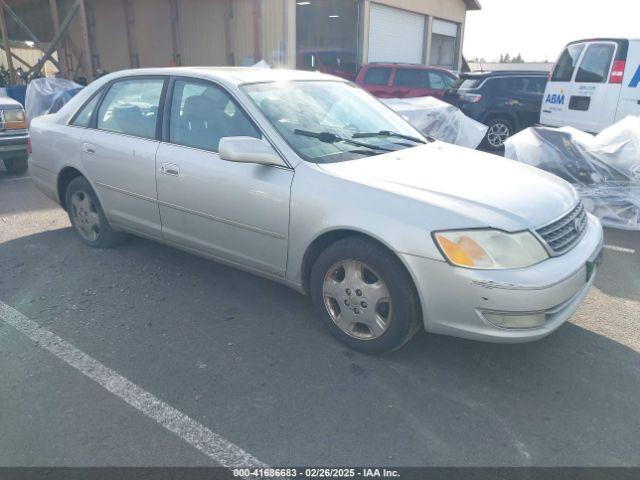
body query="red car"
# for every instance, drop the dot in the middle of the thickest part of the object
(396, 80)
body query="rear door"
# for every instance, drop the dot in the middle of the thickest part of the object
(411, 82)
(629, 103)
(525, 98)
(119, 151)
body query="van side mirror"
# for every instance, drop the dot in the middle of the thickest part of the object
(249, 150)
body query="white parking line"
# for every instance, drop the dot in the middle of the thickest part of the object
(8, 180)
(615, 248)
(219, 449)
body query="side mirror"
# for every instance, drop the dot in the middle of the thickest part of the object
(249, 150)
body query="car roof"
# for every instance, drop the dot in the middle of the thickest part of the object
(606, 39)
(505, 73)
(230, 75)
(402, 64)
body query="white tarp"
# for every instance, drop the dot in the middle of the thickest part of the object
(48, 95)
(439, 120)
(605, 169)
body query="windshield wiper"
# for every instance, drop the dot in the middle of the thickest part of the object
(328, 137)
(387, 133)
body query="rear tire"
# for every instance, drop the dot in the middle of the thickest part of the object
(16, 165)
(500, 129)
(87, 216)
(365, 296)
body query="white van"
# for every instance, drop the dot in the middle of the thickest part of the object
(594, 84)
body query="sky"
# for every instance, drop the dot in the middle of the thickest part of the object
(538, 29)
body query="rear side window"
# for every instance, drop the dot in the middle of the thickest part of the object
(567, 64)
(131, 107)
(377, 76)
(536, 85)
(411, 77)
(470, 84)
(596, 63)
(83, 118)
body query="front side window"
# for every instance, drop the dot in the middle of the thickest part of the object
(83, 118)
(377, 76)
(596, 63)
(131, 107)
(567, 63)
(203, 113)
(412, 78)
(316, 117)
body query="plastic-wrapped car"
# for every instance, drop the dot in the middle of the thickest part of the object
(605, 169)
(48, 95)
(439, 120)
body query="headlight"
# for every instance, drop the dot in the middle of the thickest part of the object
(490, 249)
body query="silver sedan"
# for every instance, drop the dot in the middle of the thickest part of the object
(306, 179)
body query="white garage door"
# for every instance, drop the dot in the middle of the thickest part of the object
(395, 35)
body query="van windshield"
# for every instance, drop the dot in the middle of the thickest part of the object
(328, 121)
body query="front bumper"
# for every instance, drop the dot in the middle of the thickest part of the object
(453, 299)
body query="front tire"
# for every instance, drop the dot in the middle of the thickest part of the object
(365, 296)
(16, 166)
(87, 216)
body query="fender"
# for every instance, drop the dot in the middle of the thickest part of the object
(635, 81)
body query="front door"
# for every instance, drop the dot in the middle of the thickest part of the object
(119, 153)
(236, 212)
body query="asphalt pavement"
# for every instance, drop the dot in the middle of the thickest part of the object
(246, 359)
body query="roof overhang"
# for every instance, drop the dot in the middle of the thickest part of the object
(473, 4)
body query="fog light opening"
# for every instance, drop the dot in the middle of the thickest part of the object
(515, 321)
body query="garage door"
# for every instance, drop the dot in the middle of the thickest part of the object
(395, 35)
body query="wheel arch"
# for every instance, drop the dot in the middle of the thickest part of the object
(327, 238)
(510, 117)
(66, 175)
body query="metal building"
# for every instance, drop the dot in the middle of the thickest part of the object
(91, 36)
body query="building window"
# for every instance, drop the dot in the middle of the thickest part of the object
(444, 44)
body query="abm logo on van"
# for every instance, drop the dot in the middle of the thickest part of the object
(635, 81)
(555, 98)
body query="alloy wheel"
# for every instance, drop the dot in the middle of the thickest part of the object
(357, 300)
(498, 134)
(85, 216)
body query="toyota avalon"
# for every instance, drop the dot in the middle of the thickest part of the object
(310, 181)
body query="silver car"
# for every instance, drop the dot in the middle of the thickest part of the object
(306, 179)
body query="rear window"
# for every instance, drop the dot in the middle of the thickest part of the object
(596, 63)
(411, 77)
(469, 83)
(567, 63)
(377, 76)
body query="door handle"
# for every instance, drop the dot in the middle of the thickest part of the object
(170, 169)
(89, 148)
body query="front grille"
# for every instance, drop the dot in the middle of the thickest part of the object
(562, 235)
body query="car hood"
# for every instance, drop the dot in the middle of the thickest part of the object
(487, 190)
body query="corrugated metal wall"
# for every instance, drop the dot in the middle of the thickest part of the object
(203, 38)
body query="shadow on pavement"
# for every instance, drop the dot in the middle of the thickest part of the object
(248, 358)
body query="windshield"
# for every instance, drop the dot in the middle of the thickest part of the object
(326, 121)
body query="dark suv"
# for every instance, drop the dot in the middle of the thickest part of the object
(506, 102)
